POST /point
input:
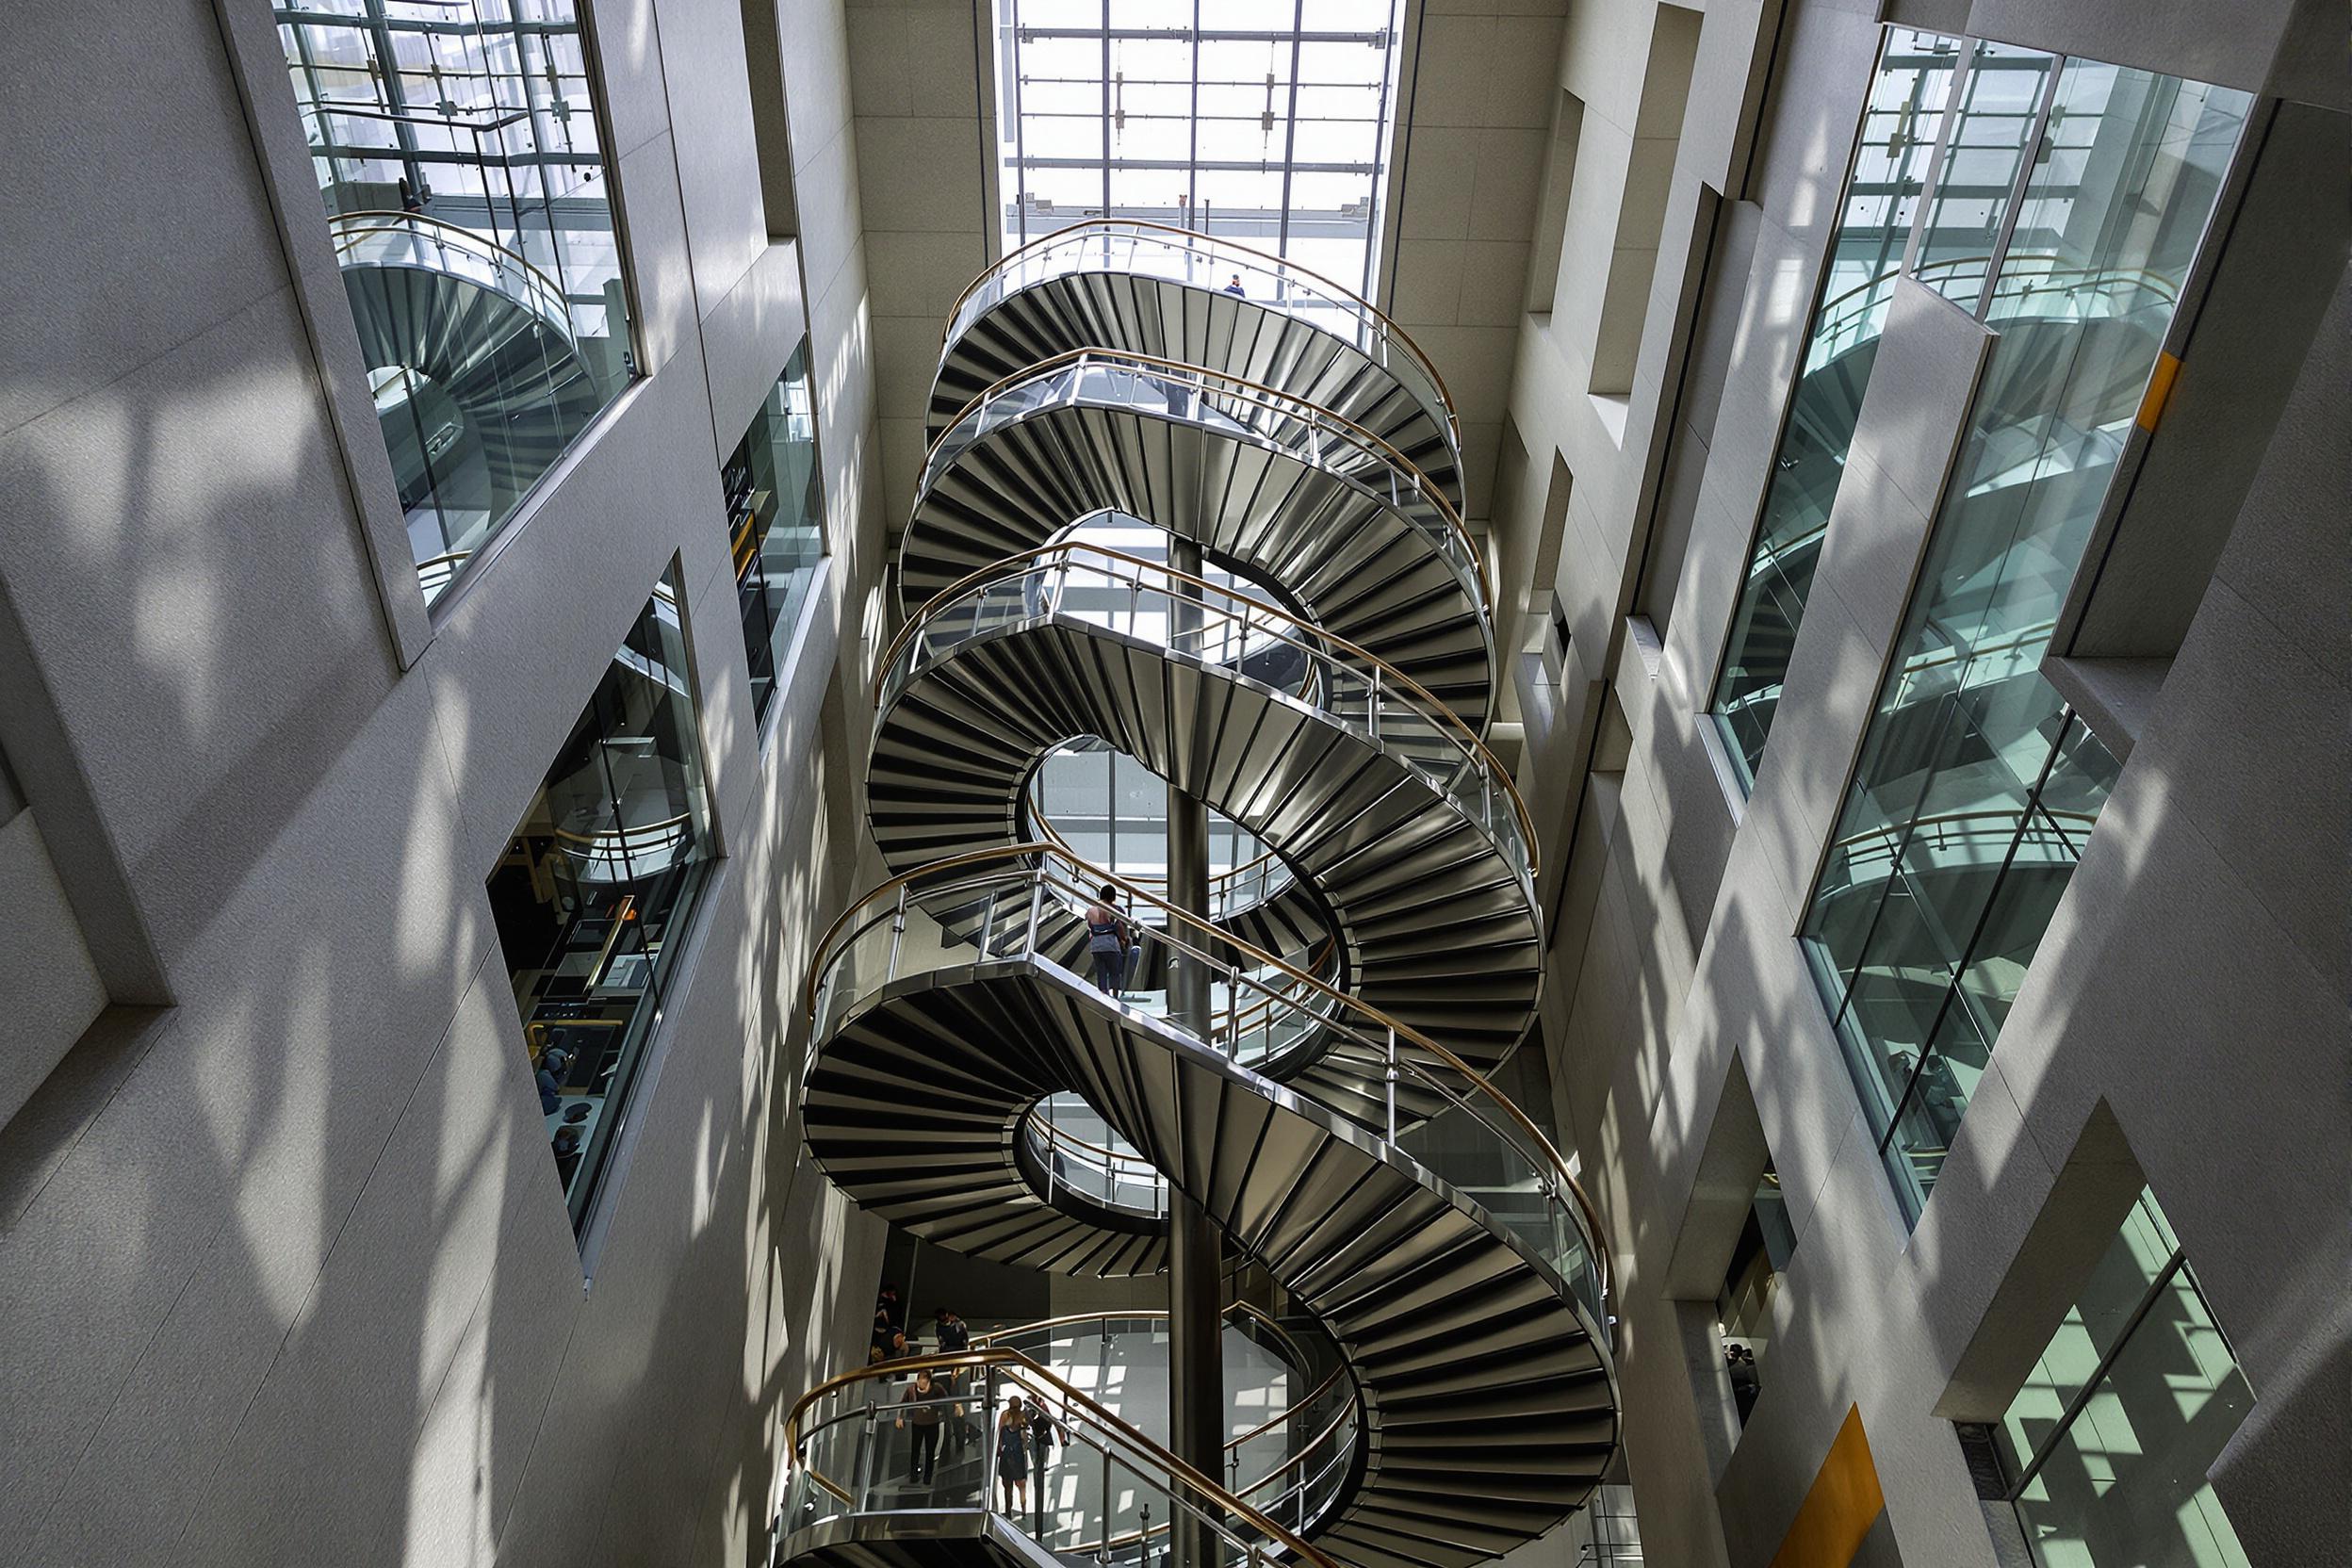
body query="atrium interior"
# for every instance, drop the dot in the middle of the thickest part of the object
(1176, 784)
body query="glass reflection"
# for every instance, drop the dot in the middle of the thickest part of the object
(1976, 786)
(601, 874)
(776, 522)
(2129, 1405)
(1883, 185)
(461, 157)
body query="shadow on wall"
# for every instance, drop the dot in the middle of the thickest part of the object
(288, 1271)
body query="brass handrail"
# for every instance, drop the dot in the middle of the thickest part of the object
(1219, 1502)
(1240, 1309)
(1389, 328)
(1287, 404)
(1232, 874)
(1442, 715)
(1543, 1150)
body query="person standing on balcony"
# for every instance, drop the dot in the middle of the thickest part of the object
(922, 1404)
(1233, 285)
(1113, 943)
(1043, 1432)
(1012, 1457)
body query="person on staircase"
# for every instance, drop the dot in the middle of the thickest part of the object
(1044, 1431)
(924, 1404)
(954, 1338)
(1012, 1458)
(1113, 943)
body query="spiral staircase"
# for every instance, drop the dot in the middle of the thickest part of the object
(1329, 1109)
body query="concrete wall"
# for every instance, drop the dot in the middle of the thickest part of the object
(1477, 110)
(286, 1268)
(2191, 989)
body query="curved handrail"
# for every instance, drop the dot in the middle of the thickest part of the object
(1254, 616)
(1553, 1169)
(1237, 1309)
(1338, 294)
(1233, 388)
(1115, 1169)
(346, 229)
(1208, 1495)
(1230, 877)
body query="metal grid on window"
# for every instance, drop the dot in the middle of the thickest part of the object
(1260, 120)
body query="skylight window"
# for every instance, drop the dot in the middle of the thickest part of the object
(1263, 121)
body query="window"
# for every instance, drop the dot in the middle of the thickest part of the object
(1743, 1307)
(1269, 124)
(597, 886)
(461, 155)
(1882, 183)
(2106, 1448)
(776, 522)
(1976, 786)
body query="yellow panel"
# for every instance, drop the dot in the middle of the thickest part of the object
(1840, 1509)
(2159, 390)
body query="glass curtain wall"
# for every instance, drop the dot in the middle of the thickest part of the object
(776, 522)
(2107, 1446)
(1976, 786)
(600, 876)
(1264, 122)
(1882, 187)
(461, 156)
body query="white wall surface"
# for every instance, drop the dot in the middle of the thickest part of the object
(286, 1268)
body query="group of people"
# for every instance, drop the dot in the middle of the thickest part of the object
(933, 1408)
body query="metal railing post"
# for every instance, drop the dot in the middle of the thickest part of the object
(987, 1440)
(1391, 1084)
(1102, 1530)
(1232, 1012)
(898, 930)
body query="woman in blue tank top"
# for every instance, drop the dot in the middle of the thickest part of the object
(1110, 942)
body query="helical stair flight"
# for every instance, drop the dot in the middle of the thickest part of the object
(1325, 682)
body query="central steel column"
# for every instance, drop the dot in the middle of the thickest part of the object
(1196, 1366)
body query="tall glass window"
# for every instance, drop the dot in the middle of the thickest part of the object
(776, 522)
(1976, 787)
(1266, 123)
(598, 885)
(2107, 1445)
(461, 155)
(1882, 187)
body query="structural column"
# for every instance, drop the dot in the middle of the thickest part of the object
(1196, 1370)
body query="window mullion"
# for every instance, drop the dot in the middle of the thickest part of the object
(2029, 161)
(2098, 1373)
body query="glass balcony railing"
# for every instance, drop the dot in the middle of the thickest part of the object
(954, 1434)
(1239, 409)
(1287, 1461)
(1005, 904)
(1179, 255)
(1188, 615)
